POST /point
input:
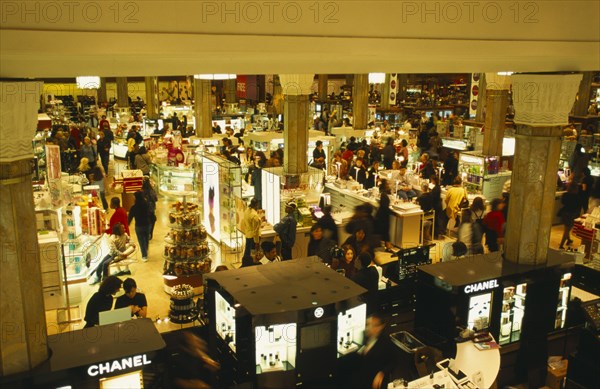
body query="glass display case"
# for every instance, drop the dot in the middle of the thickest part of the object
(175, 182)
(225, 320)
(483, 174)
(564, 295)
(278, 189)
(39, 154)
(83, 254)
(222, 191)
(479, 311)
(351, 328)
(513, 310)
(275, 347)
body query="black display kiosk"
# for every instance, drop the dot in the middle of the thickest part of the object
(487, 292)
(109, 356)
(283, 324)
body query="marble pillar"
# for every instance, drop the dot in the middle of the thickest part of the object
(230, 90)
(582, 103)
(202, 110)
(480, 112)
(542, 105)
(151, 97)
(496, 104)
(102, 97)
(23, 342)
(322, 92)
(122, 92)
(295, 137)
(385, 93)
(360, 101)
(296, 88)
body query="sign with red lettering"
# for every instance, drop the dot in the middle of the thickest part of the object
(241, 87)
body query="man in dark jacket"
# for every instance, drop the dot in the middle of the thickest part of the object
(286, 230)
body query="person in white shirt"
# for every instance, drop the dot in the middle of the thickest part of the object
(270, 253)
(250, 227)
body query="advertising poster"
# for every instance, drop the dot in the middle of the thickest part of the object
(210, 185)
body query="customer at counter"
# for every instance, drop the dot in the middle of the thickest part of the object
(320, 245)
(269, 253)
(341, 165)
(405, 191)
(454, 198)
(372, 175)
(347, 262)
(367, 276)
(450, 168)
(440, 217)
(101, 301)
(426, 202)
(328, 224)
(494, 225)
(382, 217)
(286, 231)
(361, 242)
(358, 172)
(389, 153)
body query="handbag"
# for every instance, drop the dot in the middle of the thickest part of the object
(464, 203)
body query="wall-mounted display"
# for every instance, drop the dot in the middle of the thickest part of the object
(351, 328)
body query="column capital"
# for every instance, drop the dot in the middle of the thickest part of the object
(296, 84)
(495, 81)
(19, 103)
(544, 100)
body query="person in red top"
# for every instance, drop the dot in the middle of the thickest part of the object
(119, 216)
(76, 134)
(348, 155)
(103, 122)
(494, 225)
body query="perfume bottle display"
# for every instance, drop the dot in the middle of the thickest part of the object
(351, 327)
(275, 347)
(225, 320)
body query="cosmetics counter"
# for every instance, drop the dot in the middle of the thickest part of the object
(487, 293)
(285, 324)
(484, 175)
(175, 181)
(343, 134)
(406, 219)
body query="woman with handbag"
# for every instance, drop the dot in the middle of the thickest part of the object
(456, 198)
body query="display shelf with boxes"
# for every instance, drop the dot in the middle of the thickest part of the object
(225, 320)
(82, 255)
(513, 309)
(483, 174)
(564, 295)
(51, 268)
(186, 250)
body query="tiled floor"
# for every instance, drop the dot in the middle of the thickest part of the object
(148, 275)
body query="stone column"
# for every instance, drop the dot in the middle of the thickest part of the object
(102, 98)
(402, 85)
(23, 342)
(296, 88)
(385, 93)
(496, 103)
(360, 101)
(479, 115)
(322, 87)
(230, 90)
(122, 92)
(151, 97)
(542, 105)
(580, 108)
(202, 110)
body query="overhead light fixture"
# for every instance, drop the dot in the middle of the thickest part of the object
(376, 78)
(505, 73)
(88, 82)
(215, 76)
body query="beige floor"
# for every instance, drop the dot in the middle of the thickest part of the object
(150, 282)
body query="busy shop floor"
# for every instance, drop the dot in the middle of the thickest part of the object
(148, 275)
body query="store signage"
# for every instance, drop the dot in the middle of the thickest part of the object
(481, 286)
(118, 365)
(319, 312)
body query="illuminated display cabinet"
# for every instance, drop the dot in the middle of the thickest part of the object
(283, 324)
(485, 292)
(483, 174)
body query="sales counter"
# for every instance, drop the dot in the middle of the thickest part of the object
(406, 218)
